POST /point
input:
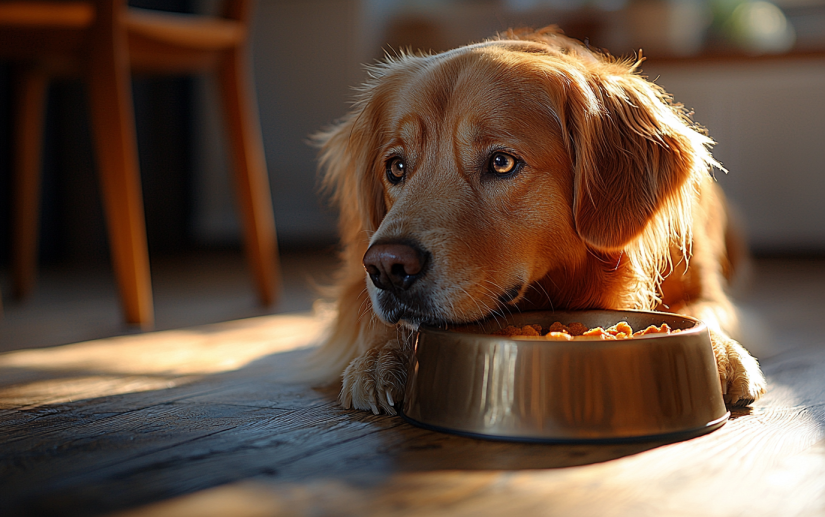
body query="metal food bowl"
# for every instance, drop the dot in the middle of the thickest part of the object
(655, 387)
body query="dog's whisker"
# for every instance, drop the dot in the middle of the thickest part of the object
(366, 306)
(481, 311)
(501, 308)
(539, 288)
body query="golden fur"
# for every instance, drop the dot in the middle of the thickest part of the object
(612, 206)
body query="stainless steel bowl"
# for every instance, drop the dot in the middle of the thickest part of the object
(660, 386)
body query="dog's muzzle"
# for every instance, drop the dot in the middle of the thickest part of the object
(395, 267)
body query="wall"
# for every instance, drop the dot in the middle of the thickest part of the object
(306, 58)
(768, 119)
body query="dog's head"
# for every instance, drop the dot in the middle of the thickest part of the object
(473, 179)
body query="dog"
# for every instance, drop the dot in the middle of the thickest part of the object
(523, 172)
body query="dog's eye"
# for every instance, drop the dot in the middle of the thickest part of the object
(396, 169)
(502, 164)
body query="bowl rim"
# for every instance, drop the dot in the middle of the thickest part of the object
(699, 327)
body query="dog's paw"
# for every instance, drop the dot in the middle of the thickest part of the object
(742, 379)
(375, 381)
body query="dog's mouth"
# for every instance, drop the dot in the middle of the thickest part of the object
(414, 321)
(410, 315)
(414, 312)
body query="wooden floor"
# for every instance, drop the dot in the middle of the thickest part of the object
(199, 421)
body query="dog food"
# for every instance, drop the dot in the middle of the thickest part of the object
(570, 331)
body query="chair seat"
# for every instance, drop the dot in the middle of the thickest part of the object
(51, 32)
(53, 15)
(167, 42)
(158, 41)
(185, 30)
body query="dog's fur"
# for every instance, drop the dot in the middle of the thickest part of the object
(613, 204)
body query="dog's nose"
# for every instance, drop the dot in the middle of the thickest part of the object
(395, 265)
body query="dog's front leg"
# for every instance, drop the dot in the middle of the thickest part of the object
(742, 379)
(375, 380)
(739, 372)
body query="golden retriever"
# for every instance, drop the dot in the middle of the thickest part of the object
(523, 172)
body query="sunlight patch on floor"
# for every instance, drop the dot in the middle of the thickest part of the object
(150, 361)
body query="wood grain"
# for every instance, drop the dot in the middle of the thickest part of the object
(200, 422)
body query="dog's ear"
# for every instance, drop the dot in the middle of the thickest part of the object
(635, 155)
(347, 160)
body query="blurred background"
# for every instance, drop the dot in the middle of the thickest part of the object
(752, 71)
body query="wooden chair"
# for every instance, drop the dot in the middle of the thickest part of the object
(103, 41)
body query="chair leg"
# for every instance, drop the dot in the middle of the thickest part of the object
(252, 181)
(113, 124)
(28, 146)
